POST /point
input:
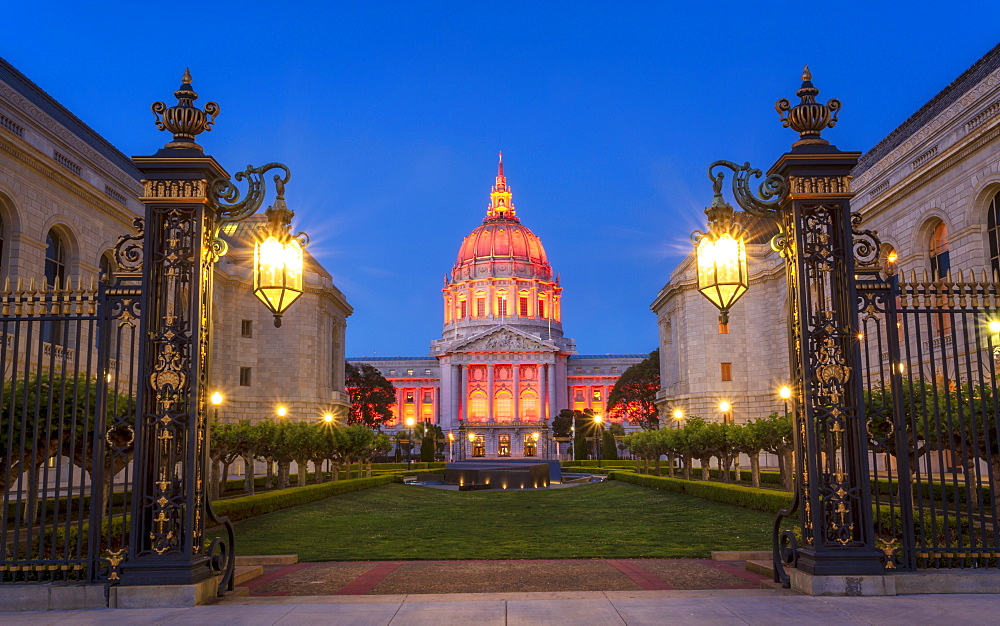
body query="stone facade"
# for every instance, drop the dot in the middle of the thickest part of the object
(928, 190)
(64, 187)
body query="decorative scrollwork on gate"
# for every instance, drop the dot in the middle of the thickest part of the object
(770, 193)
(866, 244)
(128, 250)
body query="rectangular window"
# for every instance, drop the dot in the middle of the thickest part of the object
(409, 372)
(503, 445)
(480, 307)
(530, 447)
(501, 307)
(727, 372)
(723, 329)
(427, 372)
(392, 372)
(245, 376)
(522, 306)
(428, 396)
(246, 328)
(409, 397)
(463, 309)
(541, 308)
(597, 395)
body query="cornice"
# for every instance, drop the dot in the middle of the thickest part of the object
(28, 108)
(33, 158)
(939, 122)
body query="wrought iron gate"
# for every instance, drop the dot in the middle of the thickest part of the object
(929, 361)
(67, 403)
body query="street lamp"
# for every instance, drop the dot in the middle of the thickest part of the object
(328, 418)
(678, 417)
(282, 410)
(721, 254)
(409, 443)
(451, 446)
(534, 437)
(725, 407)
(600, 435)
(785, 392)
(278, 258)
(472, 441)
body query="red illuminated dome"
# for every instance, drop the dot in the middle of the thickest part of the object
(501, 246)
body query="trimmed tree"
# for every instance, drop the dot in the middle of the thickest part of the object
(633, 398)
(372, 396)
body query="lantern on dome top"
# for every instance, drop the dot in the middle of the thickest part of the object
(278, 259)
(721, 255)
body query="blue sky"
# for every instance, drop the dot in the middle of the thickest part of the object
(391, 114)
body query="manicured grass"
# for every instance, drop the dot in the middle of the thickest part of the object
(602, 520)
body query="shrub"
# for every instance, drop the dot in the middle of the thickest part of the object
(766, 500)
(258, 504)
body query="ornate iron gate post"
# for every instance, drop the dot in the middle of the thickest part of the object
(169, 492)
(825, 356)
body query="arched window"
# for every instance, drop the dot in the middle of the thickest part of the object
(504, 406)
(55, 275)
(55, 259)
(529, 405)
(105, 265)
(477, 406)
(993, 228)
(940, 261)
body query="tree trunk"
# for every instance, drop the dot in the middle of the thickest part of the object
(284, 469)
(248, 486)
(318, 470)
(638, 465)
(213, 481)
(657, 465)
(269, 477)
(368, 473)
(687, 467)
(224, 479)
(787, 465)
(723, 466)
(706, 465)
(671, 460)
(755, 469)
(737, 472)
(303, 467)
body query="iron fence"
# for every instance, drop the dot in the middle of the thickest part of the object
(66, 415)
(932, 411)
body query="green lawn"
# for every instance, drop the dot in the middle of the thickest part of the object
(601, 520)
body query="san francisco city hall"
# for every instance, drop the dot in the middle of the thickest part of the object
(502, 368)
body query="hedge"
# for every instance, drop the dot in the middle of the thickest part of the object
(766, 500)
(246, 507)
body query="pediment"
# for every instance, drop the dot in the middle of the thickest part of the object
(504, 340)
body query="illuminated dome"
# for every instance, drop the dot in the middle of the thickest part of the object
(501, 246)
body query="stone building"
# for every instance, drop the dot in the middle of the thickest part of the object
(502, 368)
(931, 190)
(67, 194)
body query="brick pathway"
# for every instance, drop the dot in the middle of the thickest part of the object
(433, 577)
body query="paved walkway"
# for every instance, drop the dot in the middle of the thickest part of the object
(509, 576)
(590, 608)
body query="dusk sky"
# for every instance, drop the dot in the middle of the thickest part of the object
(390, 116)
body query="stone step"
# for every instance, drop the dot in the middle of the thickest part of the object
(268, 559)
(760, 567)
(741, 555)
(246, 573)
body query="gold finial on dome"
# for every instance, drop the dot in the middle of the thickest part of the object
(184, 119)
(501, 203)
(808, 117)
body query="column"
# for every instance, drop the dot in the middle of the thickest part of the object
(463, 393)
(419, 400)
(436, 396)
(489, 393)
(542, 391)
(551, 386)
(517, 391)
(445, 417)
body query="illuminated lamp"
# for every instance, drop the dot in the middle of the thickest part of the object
(328, 418)
(721, 255)
(282, 411)
(278, 259)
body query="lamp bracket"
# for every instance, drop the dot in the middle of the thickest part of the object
(770, 194)
(225, 196)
